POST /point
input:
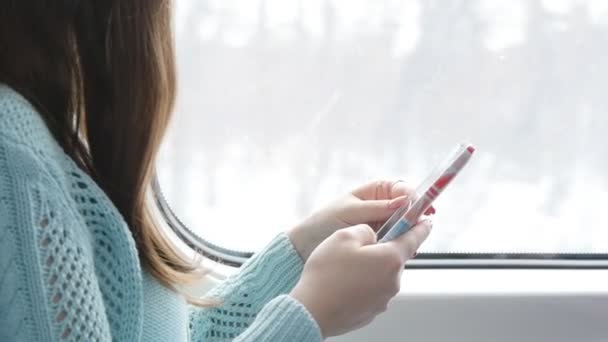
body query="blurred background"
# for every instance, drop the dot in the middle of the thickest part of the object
(284, 105)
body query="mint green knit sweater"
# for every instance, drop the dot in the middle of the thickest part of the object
(69, 270)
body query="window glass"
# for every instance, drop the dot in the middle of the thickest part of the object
(284, 105)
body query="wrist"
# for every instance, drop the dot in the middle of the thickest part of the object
(309, 234)
(301, 241)
(304, 298)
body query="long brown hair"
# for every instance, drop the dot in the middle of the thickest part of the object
(102, 75)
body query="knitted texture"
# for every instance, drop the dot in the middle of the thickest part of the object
(275, 271)
(69, 269)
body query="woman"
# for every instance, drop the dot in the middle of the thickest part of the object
(86, 92)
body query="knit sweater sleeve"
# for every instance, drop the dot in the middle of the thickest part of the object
(48, 287)
(254, 305)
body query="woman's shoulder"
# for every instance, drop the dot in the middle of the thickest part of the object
(33, 153)
(29, 152)
(22, 125)
(54, 210)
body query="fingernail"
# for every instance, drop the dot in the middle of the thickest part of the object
(397, 202)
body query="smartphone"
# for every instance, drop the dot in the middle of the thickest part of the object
(408, 215)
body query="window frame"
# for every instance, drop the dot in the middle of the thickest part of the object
(236, 258)
(196, 243)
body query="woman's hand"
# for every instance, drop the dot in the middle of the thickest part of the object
(349, 279)
(370, 204)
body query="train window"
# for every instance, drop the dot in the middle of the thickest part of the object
(285, 104)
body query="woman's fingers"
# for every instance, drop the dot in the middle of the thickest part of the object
(387, 190)
(361, 234)
(375, 212)
(358, 211)
(401, 188)
(407, 244)
(383, 190)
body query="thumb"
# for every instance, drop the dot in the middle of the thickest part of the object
(409, 242)
(360, 234)
(375, 210)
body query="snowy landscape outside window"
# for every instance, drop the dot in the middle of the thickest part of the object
(283, 105)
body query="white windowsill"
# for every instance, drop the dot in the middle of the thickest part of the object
(508, 281)
(479, 282)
